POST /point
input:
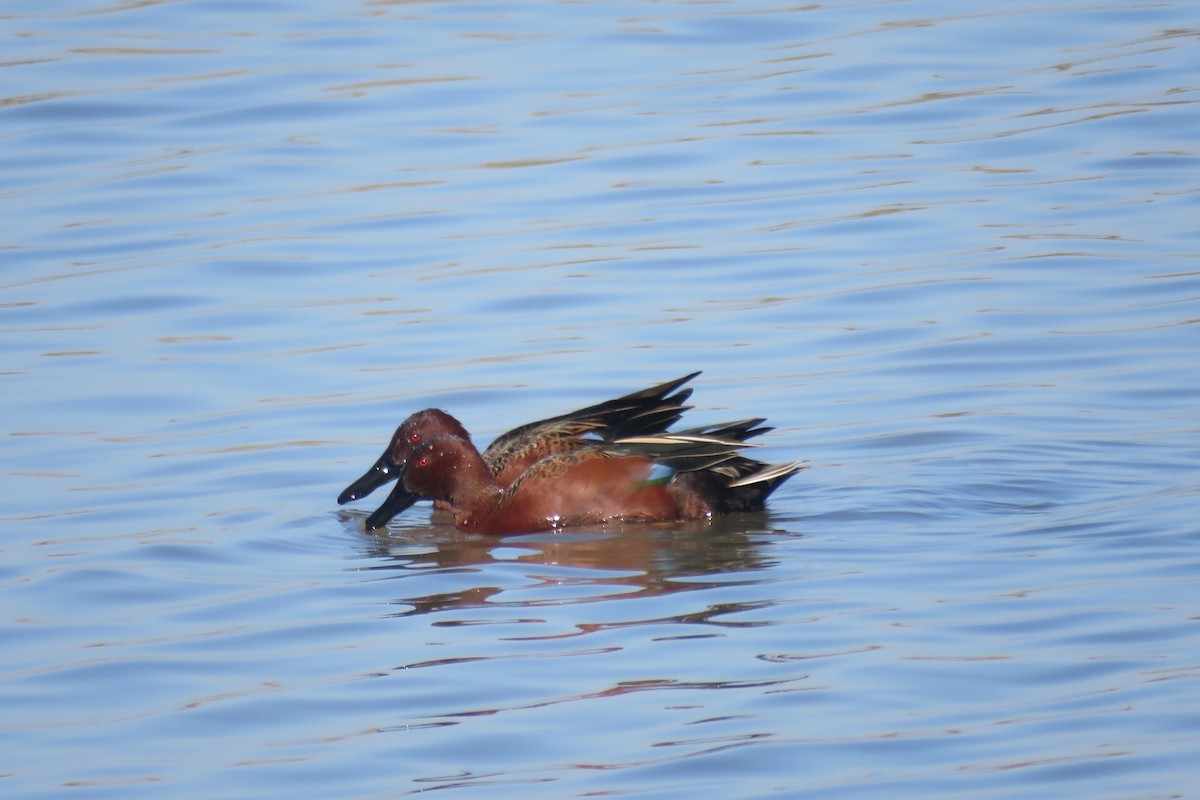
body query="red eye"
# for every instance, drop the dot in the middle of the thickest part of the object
(414, 437)
(422, 462)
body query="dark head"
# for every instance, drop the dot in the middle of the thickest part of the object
(418, 428)
(446, 468)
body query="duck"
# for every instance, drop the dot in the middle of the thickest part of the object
(642, 413)
(693, 474)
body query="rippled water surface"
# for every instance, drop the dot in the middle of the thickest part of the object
(948, 249)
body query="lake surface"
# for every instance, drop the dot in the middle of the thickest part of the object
(950, 250)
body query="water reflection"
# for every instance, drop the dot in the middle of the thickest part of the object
(588, 564)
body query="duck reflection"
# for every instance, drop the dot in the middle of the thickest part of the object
(602, 563)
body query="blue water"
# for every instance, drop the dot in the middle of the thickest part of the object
(948, 250)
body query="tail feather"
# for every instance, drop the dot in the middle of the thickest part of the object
(770, 472)
(739, 484)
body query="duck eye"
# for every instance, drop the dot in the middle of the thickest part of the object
(422, 462)
(414, 437)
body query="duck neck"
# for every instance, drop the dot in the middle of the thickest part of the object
(475, 488)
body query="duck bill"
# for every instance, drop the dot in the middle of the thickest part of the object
(399, 500)
(380, 473)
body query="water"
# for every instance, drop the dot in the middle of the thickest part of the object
(949, 251)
